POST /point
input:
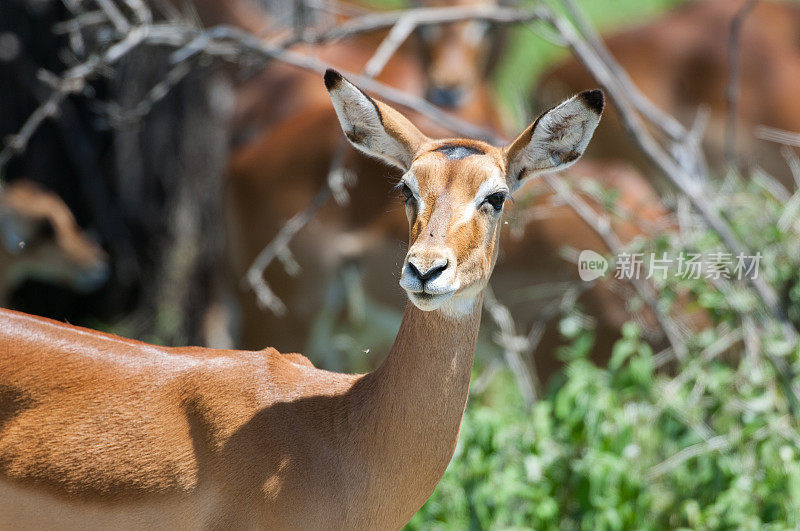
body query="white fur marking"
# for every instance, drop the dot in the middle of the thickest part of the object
(495, 183)
(460, 305)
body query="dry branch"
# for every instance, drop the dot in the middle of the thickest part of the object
(778, 135)
(602, 226)
(73, 81)
(418, 17)
(734, 75)
(514, 346)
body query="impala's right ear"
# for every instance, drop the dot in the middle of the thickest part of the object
(371, 126)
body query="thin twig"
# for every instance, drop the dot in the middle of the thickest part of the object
(124, 118)
(718, 443)
(277, 247)
(73, 81)
(512, 344)
(734, 84)
(779, 136)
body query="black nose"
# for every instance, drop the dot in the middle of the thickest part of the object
(430, 274)
(445, 96)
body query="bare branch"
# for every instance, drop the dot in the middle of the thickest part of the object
(513, 346)
(602, 226)
(114, 15)
(73, 81)
(210, 41)
(419, 17)
(779, 136)
(124, 118)
(734, 74)
(279, 246)
(396, 37)
(666, 123)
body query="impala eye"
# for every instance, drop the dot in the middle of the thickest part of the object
(406, 191)
(496, 200)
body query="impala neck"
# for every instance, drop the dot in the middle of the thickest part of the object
(415, 403)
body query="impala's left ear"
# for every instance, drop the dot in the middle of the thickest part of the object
(556, 139)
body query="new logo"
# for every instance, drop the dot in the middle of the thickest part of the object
(591, 265)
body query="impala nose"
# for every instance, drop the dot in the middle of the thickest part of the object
(429, 272)
(446, 96)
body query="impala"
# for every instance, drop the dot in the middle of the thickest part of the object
(101, 431)
(293, 156)
(40, 240)
(347, 249)
(287, 141)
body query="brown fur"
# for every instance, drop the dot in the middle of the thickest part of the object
(680, 62)
(92, 422)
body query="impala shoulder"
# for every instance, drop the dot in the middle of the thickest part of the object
(298, 359)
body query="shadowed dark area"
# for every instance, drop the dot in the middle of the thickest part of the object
(453, 152)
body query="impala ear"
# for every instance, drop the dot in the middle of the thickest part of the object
(557, 138)
(371, 126)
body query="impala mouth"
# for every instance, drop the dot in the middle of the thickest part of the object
(427, 301)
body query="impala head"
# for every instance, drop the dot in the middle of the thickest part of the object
(455, 189)
(40, 240)
(456, 56)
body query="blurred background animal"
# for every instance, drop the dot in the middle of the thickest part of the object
(41, 241)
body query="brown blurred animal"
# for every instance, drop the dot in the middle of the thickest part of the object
(457, 58)
(40, 240)
(121, 434)
(680, 62)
